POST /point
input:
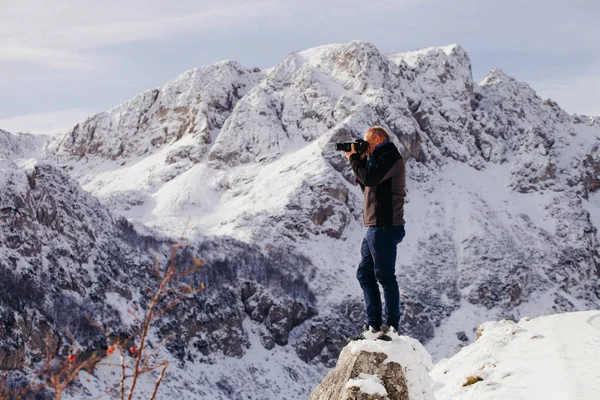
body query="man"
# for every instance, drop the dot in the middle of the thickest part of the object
(381, 174)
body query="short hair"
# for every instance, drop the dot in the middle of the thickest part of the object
(379, 131)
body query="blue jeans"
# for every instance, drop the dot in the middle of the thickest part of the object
(378, 264)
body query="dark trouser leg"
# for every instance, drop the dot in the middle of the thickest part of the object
(382, 245)
(368, 283)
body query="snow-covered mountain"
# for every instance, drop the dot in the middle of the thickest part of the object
(503, 207)
(21, 145)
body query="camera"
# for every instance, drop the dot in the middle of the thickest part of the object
(360, 146)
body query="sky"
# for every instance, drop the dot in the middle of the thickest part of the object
(63, 60)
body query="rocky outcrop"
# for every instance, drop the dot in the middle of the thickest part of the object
(378, 370)
(322, 338)
(591, 172)
(344, 381)
(50, 232)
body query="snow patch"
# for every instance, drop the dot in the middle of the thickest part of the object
(368, 384)
(554, 357)
(412, 57)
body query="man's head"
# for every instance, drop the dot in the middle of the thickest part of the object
(375, 136)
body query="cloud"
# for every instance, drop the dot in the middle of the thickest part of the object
(60, 34)
(69, 53)
(48, 31)
(54, 58)
(49, 123)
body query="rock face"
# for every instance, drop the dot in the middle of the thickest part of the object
(62, 253)
(377, 370)
(350, 367)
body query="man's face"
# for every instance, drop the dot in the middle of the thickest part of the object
(373, 141)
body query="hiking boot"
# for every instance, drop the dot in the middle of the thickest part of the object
(390, 328)
(368, 333)
(385, 329)
(371, 333)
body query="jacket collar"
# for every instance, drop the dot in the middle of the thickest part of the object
(378, 149)
(380, 145)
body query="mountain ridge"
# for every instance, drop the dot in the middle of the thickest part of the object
(502, 192)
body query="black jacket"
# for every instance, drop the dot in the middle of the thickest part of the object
(383, 180)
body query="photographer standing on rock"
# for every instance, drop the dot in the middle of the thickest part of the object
(381, 174)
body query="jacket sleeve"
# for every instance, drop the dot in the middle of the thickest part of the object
(370, 174)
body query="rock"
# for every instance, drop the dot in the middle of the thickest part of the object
(311, 343)
(267, 341)
(591, 167)
(462, 336)
(350, 366)
(257, 302)
(282, 319)
(376, 364)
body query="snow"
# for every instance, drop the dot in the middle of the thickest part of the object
(11, 178)
(407, 352)
(554, 357)
(6, 166)
(21, 145)
(368, 384)
(465, 319)
(120, 304)
(592, 206)
(412, 57)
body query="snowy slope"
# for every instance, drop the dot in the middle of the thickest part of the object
(551, 357)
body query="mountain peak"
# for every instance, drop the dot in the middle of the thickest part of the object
(354, 47)
(413, 57)
(502, 212)
(196, 103)
(496, 75)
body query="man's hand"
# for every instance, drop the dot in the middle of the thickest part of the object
(349, 153)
